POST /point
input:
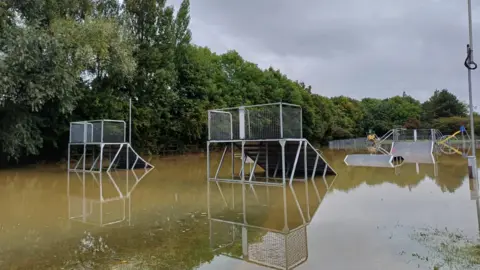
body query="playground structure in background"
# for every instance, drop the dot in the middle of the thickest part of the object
(401, 145)
(457, 143)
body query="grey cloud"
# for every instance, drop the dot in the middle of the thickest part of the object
(358, 48)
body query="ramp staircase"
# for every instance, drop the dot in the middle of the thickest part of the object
(316, 164)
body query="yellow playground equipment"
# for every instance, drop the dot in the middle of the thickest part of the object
(372, 137)
(457, 143)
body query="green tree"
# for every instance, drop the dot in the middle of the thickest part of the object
(348, 118)
(443, 104)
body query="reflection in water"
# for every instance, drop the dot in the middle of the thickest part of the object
(268, 225)
(449, 174)
(106, 203)
(42, 226)
(474, 195)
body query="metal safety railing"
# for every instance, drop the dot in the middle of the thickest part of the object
(256, 122)
(98, 131)
(348, 144)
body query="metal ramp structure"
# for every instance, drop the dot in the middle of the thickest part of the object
(101, 145)
(408, 146)
(366, 160)
(102, 199)
(269, 134)
(271, 230)
(414, 152)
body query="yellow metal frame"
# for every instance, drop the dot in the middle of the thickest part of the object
(443, 142)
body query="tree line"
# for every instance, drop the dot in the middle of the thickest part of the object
(71, 60)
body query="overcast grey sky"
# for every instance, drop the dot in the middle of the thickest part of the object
(376, 48)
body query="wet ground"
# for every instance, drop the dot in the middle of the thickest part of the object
(416, 217)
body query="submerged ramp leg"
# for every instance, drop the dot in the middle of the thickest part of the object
(366, 160)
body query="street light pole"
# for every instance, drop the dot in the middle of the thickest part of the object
(470, 65)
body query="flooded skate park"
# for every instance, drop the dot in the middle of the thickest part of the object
(401, 201)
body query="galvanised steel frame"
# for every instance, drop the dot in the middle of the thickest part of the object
(89, 137)
(224, 131)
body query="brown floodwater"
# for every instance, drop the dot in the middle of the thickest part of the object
(414, 217)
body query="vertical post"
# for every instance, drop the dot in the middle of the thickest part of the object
(233, 147)
(208, 124)
(244, 229)
(414, 135)
(285, 213)
(101, 158)
(233, 160)
(68, 157)
(101, 199)
(469, 63)
(305, 161)
(241, 122)
(208, 161)
(244, 242)
(282, 144)
(84, 146)
(130, 122)
(243, 161)
(281, 120)
(129, 199)
(266, 157)
(84, 199)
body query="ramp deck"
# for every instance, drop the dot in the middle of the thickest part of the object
(414, 152)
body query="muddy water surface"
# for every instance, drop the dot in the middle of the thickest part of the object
(170, 218)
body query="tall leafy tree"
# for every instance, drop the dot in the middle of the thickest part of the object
(443, 104)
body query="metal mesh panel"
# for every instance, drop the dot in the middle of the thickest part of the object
(220, 125)
(297, 247)
(97, 131)
(260, 122)
(354, 144)
(270, 251)
(114, 131)
(263, 122)
(292, 122)
(77, 132)
(409, 134)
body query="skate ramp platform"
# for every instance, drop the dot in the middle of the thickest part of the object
(414, 152)
(368, 160)
(271, 159)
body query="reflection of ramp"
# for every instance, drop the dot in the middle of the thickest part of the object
(414, 152)
(366, 160)
(98, 200)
